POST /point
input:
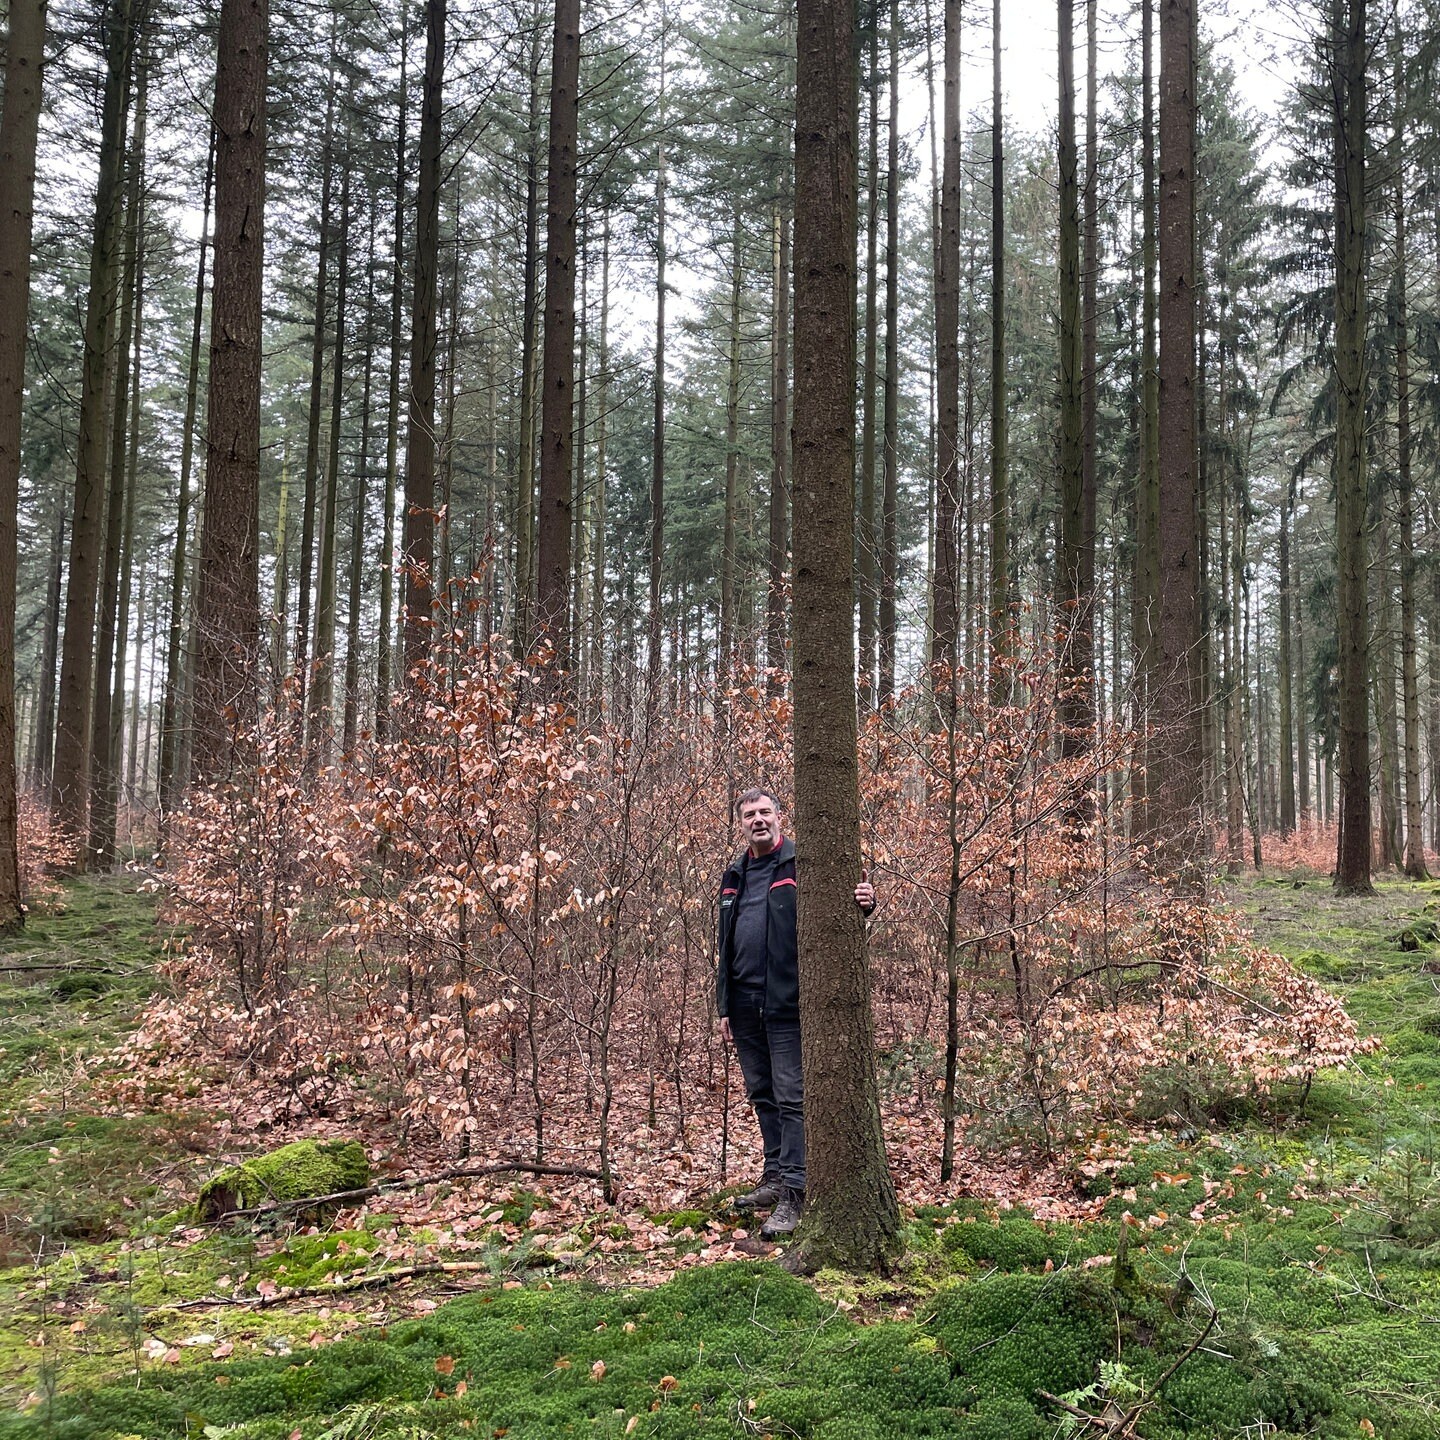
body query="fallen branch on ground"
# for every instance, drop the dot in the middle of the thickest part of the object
(415, 1182)
(340, 1287)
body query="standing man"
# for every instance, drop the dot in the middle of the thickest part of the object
(757, 993)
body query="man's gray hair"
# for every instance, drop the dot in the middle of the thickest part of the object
(756, 792)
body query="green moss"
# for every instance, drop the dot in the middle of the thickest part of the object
(1015, 1243)
(680, 1219)
(299, 1171)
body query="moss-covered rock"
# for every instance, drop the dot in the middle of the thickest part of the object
(302, 1171)
(1417, 936)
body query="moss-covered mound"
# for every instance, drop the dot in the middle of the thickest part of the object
(301, 1171)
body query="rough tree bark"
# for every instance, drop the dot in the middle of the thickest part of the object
(19, 126)
(1352, 862)
(70, 779)
(1176, 755)
(228, 602)
(852, 1217)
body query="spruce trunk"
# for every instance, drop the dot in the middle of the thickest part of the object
(19, 127)
(228, 602)
(852, 1220)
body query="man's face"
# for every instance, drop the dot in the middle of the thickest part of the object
(760, 821)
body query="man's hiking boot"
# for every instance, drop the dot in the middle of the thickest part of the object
(786, 1217)
(762, 1197)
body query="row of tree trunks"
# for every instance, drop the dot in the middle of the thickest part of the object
(70, 779)
(108, 699)
(171, 779)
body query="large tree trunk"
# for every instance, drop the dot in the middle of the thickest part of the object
(552, 579)
(1176, 751)
(945, 581)
(418, 544)
(19, 126)
(70, 779)
(852, 1218)
(228, 603)
(1352, 862)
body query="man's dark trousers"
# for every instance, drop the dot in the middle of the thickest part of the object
(769, 1055)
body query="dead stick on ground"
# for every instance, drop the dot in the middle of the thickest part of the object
(341, 1287)
(415, 1182)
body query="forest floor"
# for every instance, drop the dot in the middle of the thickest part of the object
(1258, 1274)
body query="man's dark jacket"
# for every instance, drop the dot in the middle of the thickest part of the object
(782, 959)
